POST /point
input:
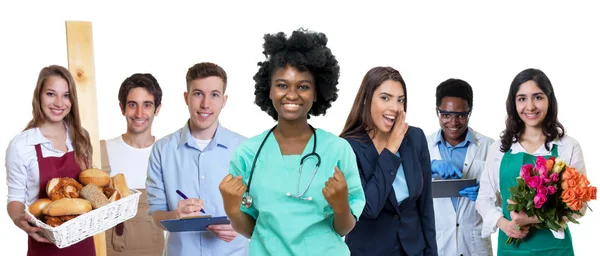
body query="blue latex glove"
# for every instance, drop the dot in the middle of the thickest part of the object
(445, 169)
(470, 192)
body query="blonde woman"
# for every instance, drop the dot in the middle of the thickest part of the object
(53, 144)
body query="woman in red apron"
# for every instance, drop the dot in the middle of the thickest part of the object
(53, 145)
(532, 129)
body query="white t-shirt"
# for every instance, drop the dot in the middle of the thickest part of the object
(202, 143)
(130, 161)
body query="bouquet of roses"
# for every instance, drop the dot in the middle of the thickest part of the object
(551, 191)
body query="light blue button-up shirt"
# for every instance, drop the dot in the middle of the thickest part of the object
(177, 163)
(455, 154)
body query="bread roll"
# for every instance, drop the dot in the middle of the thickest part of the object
(67, 206)
(94, 176)
(120, 184)
(94, 194)
(39, 205)
(58, 188)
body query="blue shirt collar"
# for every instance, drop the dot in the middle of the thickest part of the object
(470, 138)
(217, 140)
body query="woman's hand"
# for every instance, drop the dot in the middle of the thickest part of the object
(521, 218)
(397, 133)
(336, 192)
(512, 229)
(232, 190)
(22, 222)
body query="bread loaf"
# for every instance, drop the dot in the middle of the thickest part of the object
(94, 176)
(67, 206)
(94, 194)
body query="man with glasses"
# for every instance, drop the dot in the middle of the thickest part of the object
(456, 152)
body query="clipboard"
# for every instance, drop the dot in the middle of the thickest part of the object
(196, 224)
(450, 188)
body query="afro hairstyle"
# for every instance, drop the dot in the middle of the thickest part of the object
(454, 88)
(306, 51)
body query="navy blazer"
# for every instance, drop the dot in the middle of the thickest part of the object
(386, 228)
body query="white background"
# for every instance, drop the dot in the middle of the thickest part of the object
(486, 44)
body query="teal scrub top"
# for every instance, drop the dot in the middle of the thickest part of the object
(287, 225)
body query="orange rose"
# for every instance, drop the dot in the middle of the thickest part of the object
(568, 195)
(581, 194)
(582, 180)
(592, 192)
(569, 173)
(575, 205)
(549, 164)
(568, 184)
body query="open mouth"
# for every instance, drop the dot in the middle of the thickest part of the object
(389, 119)
(531, 115)
(291, 106)
(204, 115)
(57, 112)
(139, 122)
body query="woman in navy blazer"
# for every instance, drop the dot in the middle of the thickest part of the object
(395, 170)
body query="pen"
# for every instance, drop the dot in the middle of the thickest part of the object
(185, 197)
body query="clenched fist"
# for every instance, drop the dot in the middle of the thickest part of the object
(336, 192)
(232, 190)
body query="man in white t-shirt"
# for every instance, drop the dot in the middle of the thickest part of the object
(140, 101)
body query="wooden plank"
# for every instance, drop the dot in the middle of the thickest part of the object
(80, 51)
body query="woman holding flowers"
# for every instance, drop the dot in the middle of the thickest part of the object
(532, 130)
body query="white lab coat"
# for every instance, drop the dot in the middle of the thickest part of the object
(459, 232)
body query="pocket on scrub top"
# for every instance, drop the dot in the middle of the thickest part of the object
(329, 244)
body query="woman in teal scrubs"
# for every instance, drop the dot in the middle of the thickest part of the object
(532, 129)
(294, 190)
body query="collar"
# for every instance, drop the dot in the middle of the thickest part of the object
(218, 140)
(35, 136)
(470, 138)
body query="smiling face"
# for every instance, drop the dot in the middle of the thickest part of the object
(292, 93)
(531, 104)
(55, 99)
(386, 104)
(453, 113)
(205, 99)
(139, 110)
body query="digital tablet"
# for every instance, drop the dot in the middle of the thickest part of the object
(450, 188)
(193, 223)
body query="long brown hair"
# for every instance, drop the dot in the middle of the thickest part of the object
(359, 119)
(551, 127)
(79, 136)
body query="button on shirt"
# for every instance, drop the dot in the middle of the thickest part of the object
(178, 163)
(455, 154)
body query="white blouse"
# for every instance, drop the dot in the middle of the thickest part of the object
(22, 169)
(489, 201)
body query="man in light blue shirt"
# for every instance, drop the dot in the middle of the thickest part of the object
(194, 160)
(457, 151)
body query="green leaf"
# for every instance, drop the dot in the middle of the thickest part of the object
(571, 219)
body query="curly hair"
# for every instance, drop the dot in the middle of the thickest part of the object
(306, 51)
(146, 81)
(454, 88)
(551, 127)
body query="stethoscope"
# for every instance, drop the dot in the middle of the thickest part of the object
(247, 200)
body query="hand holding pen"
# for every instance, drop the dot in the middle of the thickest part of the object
(189, 207)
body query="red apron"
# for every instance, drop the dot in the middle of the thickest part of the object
(58, 167)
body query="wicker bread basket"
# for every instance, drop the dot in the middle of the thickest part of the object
(90, 223)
